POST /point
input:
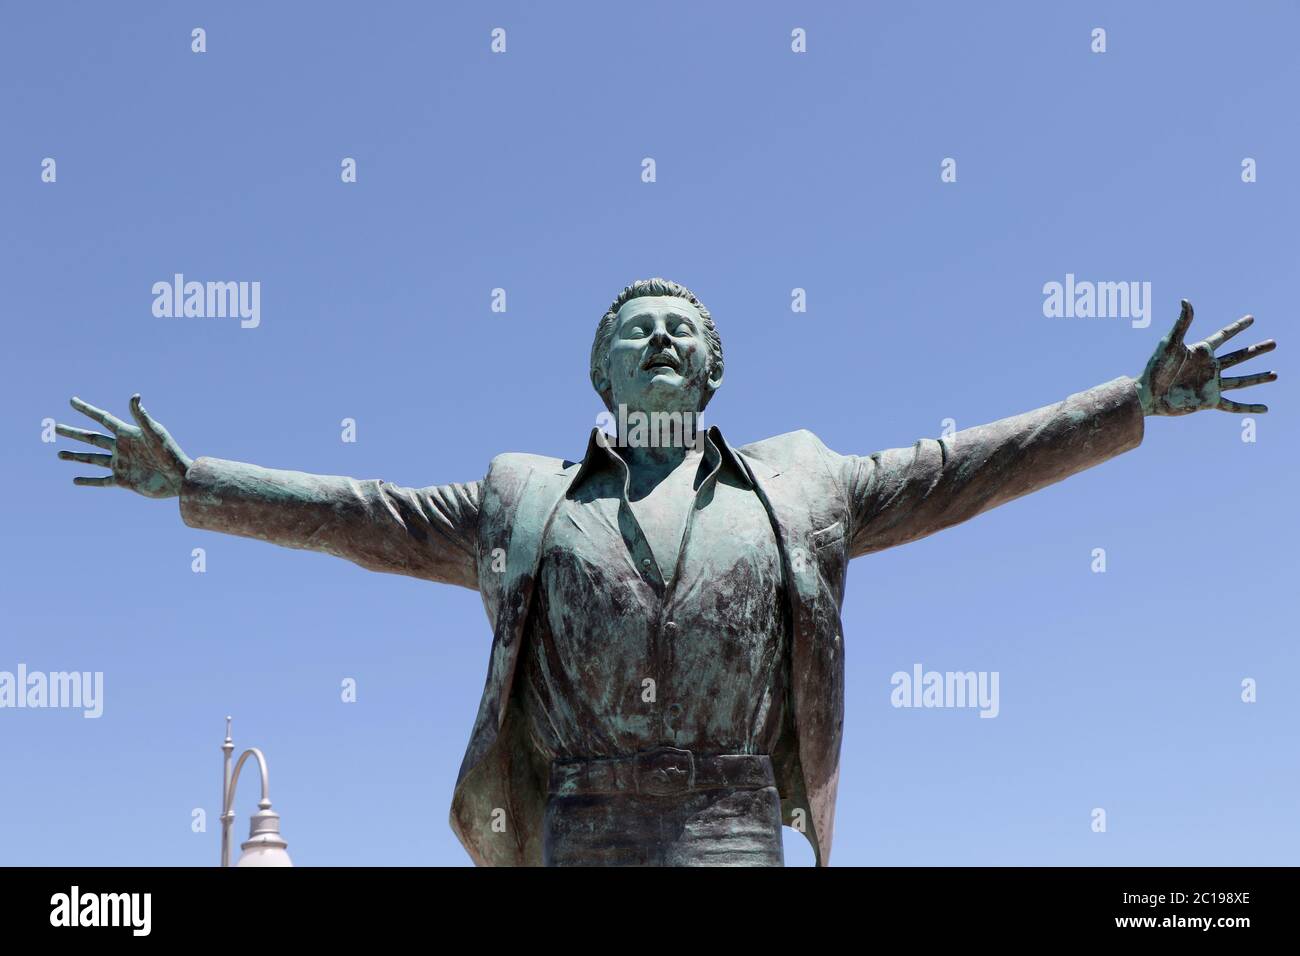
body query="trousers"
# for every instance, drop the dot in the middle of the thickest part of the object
(663, 808)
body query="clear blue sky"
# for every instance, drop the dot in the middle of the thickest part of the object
(522, 171)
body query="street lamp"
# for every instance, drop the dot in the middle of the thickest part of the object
(265, 846)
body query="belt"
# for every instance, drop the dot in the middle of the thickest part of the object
(664, 771)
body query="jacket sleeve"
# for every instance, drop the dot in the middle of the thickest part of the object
(904, 494)
(428, 533)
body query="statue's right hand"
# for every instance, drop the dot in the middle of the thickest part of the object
(145, 459)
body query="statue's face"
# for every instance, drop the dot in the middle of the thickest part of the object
(658, 359)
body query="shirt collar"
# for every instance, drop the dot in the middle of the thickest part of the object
(601, 453)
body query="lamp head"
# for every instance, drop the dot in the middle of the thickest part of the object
(265, 846)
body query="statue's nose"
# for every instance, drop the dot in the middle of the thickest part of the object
(660, 338)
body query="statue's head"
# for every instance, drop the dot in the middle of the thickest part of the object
(656, 350)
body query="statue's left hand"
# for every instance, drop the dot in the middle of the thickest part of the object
(1180, 380)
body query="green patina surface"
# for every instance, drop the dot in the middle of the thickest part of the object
(781, 518)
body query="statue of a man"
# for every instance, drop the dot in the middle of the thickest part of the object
(666, 681)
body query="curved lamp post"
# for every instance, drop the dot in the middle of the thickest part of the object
(265, 846)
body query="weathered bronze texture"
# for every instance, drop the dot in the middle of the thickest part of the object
(666, 678)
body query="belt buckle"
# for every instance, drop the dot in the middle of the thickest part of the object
(664, 771)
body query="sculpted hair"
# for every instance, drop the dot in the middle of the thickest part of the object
(640, 289)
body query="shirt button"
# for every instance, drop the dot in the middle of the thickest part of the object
(645, 563)
(670, 626)
(672, 716)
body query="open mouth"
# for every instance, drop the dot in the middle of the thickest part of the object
(662, 360)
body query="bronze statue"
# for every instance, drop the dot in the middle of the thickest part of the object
(666, 680)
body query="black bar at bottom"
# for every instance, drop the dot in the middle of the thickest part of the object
(331, 905)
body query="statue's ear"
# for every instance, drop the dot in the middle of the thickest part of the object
(711, 386)
(600, 382)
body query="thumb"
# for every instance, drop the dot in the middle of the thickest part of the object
(147, 424)
(1183, 324)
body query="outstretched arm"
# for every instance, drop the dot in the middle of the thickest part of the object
(904, 494)
(428, 533)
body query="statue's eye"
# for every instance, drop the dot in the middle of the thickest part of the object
(683, 329)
